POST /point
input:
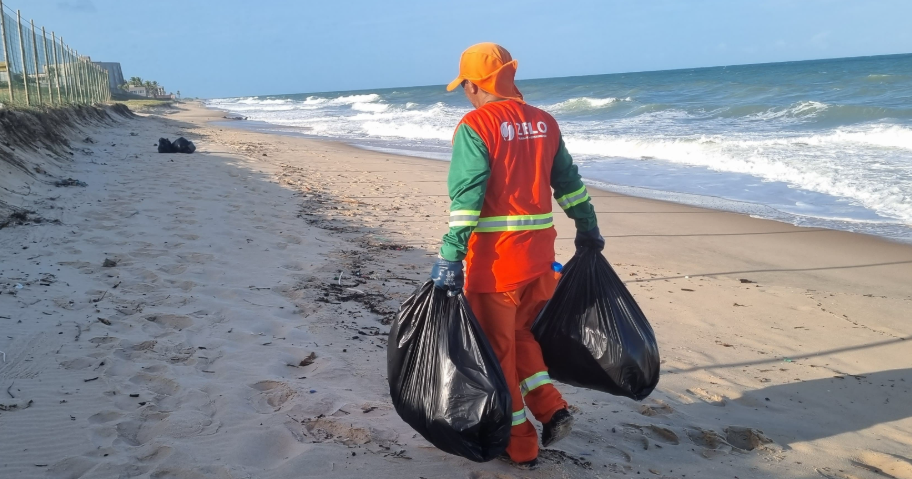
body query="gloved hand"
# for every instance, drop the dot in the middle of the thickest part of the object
(448, 275)
(589, 239)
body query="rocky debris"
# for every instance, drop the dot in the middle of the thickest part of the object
(70, 182)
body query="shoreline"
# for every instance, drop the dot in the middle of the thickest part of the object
(254, 280)
(886, 229)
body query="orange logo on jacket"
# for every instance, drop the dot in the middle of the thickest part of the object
(523, 131)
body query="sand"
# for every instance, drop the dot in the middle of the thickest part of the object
(241, 333)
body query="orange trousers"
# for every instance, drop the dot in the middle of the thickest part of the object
(506, 319)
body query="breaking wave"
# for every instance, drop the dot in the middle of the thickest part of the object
(583, 104)
(815, 163)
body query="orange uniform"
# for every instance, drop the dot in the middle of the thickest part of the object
(507, 158)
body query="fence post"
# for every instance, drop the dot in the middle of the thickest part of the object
(101, 79)
(95, 83)
(94, 71)
(47, 64)
(88, 83)
(35, 53)
(105, 84)
(56, 67)
(66, 70)
(6, 55)
(28, 100)
(80, 82)
(74, 70)
(83, 81)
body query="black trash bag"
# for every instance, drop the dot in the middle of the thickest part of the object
(592, 333)
(444, 378)
(165, 146)
(183, 145)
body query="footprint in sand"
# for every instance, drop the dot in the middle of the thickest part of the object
(125, 470)
(75, 466)
(155, 383)
(185, 286)
(652, 432)
(557, 457)
(105, 416)
(886, 465)
(149, 253)
(78, 363)
(270, 396)
(713, 443)
(173, 268)
(657, 408)
(708, 397)
(747, 438)
(155, 454)
(132, 433)
(171, 321)
(292, 239)
(198, 258)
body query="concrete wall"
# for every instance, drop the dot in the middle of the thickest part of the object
(115, 74)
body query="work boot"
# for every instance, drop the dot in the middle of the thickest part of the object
(557, 428)
(526, 466)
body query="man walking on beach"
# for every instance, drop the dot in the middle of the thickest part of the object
(507, 157)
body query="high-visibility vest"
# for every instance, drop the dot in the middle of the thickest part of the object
(513, 242)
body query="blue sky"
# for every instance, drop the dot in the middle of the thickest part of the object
(210, 48)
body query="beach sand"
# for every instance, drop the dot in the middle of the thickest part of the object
(241, 333)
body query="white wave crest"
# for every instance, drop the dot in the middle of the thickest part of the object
(867, 179)
(804, 109)
(582, 104)
(371, 107)
(893, 136)
(350, 99)
(411, 131)
(314, 100)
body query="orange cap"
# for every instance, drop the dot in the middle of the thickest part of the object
(491, 67)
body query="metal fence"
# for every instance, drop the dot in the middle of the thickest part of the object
(38, 69)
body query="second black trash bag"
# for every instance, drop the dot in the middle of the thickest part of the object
(165, 146)
(183, 145)
(444, 378)
(594, 335)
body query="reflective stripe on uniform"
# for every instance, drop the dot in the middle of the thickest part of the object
(534, 381)
(572, 199)
(519, 417)
(461, 218)
(514, 223)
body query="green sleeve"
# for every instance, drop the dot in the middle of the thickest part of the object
(467, 180)
(570, 192)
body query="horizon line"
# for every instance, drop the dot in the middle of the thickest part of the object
(584, 76)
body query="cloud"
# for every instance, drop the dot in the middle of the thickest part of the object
(82, 6)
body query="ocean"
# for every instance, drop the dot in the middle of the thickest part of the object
(822, 143)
